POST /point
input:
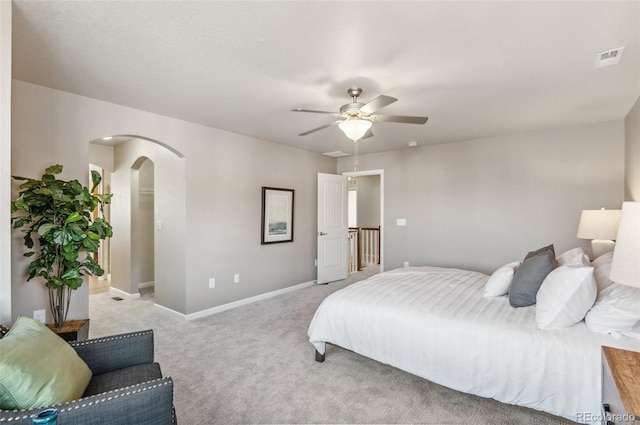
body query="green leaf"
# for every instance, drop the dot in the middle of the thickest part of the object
(71, 274)
(54, 169)
(105, 198)
(19, 222)
(55, 282)
(28, 241)
(28, 254)
(90, 244)
(74, 283)
(96, 178)
(93, 236)
(70, 255)
(73, 217)
(46, 228)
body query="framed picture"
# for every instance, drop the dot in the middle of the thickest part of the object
(277, 215)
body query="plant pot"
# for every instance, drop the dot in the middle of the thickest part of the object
(72, 330)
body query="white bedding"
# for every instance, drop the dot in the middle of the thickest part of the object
(435, 323)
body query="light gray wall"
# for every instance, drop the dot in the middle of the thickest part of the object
(102, 156)
(224, 173)
(223, 219)
(5, 161)
(481, 203)
(43, 135)
(632, 154)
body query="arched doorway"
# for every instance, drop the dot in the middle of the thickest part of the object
(148, 218)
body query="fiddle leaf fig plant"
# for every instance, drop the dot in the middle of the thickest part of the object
(58, 214)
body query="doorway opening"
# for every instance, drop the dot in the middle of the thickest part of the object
(366, 215)
(102, 283)
(142, 225)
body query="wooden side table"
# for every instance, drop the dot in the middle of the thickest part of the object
(620, 386)
(73, 330)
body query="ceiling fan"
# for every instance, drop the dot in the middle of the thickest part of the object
(356, 118)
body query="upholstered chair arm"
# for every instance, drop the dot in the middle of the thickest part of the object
(148, 403)
(116, 352)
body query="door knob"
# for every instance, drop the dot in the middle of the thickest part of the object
(322, 233)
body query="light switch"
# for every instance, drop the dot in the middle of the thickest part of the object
(159, 225)
(401, 221)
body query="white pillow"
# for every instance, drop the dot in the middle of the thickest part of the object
(573, 257)
(602, 268)
(565, 296)
(616, 310)
(499, 282)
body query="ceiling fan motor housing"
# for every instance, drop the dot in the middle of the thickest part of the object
(352, 109)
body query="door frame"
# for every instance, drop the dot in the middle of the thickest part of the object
(379, 172)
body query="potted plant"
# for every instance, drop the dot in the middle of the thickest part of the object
(59, 214)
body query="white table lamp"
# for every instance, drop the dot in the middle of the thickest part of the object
(625, 267)
(601, 226)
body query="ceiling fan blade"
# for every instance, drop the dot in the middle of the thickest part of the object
(319, 128)
(315, 112)
(377, 103)
(368, 134)
(399, 118)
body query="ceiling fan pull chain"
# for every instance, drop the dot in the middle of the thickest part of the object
(355, 162)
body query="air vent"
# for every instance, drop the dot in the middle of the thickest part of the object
(609, 57)
(336, 154)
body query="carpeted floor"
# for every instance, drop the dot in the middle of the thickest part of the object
(254, 365)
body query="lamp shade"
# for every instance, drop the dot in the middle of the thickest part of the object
(625, 267)
(598, 224)
(355, 128)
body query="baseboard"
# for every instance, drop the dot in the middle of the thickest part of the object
(123, 294)
(246, 301)
(175, 313)
(146, 284)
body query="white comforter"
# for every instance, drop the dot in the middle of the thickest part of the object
(435, 323)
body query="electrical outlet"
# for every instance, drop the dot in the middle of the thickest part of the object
(236, 278)
(212, 282)
(40, 315)
(406, 264)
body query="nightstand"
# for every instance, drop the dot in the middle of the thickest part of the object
(620, 386)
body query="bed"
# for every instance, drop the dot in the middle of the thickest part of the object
(436, 323)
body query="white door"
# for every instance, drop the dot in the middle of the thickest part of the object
(333, 230)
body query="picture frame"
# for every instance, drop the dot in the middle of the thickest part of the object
(277, 215)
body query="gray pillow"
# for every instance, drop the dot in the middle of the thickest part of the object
(541, 251)
(528, 278)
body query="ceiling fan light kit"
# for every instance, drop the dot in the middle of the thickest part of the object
(355, 128)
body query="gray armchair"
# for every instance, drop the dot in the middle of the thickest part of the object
(127, 385)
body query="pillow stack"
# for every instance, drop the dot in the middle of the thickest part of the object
(563, 288)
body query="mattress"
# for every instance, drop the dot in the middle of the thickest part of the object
(435, 323)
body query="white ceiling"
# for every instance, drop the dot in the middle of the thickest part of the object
(476, 69)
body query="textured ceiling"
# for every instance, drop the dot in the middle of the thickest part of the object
(476, 69)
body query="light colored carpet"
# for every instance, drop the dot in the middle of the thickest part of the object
(254, 365)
